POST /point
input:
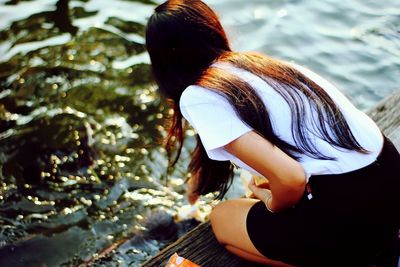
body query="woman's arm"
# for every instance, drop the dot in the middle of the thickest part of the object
(286, 176)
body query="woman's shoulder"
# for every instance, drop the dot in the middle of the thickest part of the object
(239, 72)
(193, 90)
(312, 75)
(196, 94)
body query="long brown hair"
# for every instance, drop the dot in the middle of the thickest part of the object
(184, 38)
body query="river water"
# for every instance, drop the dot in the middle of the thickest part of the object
(82, 167)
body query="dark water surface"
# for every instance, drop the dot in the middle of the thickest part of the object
(81, 165)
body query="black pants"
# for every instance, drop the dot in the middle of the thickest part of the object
(352, 219)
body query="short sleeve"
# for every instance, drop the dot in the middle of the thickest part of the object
(213, 118)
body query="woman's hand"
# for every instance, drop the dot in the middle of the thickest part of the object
(262, 194)
(286, 176)
(261, 181)
(191, 194)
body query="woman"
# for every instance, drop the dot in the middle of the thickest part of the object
(333, 185)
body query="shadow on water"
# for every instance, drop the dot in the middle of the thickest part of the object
(81, 164)
(62, 19)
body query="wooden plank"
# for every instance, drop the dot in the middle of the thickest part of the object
(387, 115)
(200, 245)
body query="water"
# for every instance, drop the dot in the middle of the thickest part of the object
(81, 163)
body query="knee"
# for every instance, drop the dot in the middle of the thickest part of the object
(214, 215)
(219, 213)
(218, 218)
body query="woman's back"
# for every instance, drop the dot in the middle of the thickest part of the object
(215, 132)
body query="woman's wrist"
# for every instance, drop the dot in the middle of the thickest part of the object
(268, 203)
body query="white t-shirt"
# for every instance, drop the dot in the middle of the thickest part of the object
(217, 124)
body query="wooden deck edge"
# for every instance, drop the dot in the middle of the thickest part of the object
(199, 246)
(387, 115)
